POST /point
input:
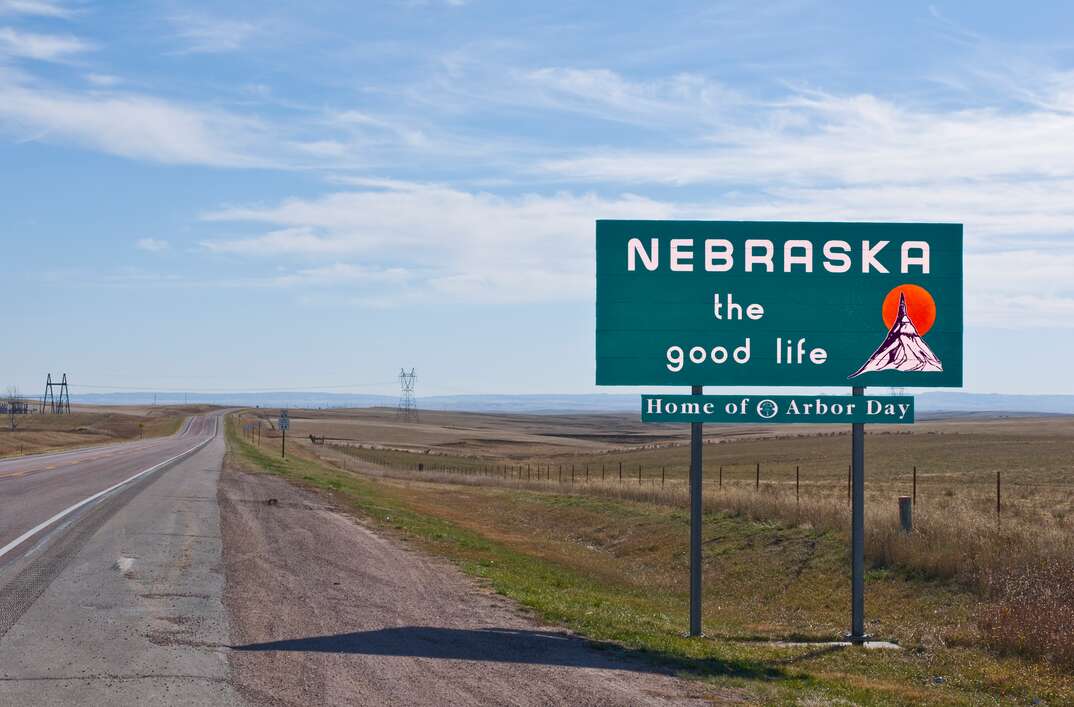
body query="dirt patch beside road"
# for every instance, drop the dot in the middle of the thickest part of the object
(324, 611)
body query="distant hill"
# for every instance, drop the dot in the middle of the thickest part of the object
(589, 403)
(995, 402)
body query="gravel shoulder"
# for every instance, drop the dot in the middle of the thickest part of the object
(324, 611)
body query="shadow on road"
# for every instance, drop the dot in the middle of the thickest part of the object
(508, 646)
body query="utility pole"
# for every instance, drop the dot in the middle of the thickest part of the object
(57, 397)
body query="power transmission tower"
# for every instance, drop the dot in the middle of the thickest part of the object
(408, 406)
(57, 397)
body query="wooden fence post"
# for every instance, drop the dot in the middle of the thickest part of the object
(997, 498)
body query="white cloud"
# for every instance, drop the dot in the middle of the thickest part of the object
(40, 8)
(813, 140)
(103, 80)
(338, 274)
(683, 99)
(135, 126)
(445, 243)
(153, 245)
(43, 47)
(465, 245)
(213, 35)
(1021, 288)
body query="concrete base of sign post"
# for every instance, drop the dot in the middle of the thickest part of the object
(868, 644)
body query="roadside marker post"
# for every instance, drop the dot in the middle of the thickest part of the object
(774, 304)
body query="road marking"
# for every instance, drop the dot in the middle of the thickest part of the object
(41, 526)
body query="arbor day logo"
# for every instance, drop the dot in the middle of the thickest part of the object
(767, 409)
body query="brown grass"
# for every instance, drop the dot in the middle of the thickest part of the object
(86, 426)
(1031, 610)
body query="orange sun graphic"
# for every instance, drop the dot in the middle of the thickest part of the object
(919, 306)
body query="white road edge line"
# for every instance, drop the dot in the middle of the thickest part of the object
(41, 526)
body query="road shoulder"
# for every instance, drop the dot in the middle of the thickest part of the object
(324, 610)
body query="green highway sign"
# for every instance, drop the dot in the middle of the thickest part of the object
(779, 303)
(778, 408)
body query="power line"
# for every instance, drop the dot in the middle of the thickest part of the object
(267, 389)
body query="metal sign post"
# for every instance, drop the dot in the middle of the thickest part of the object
(696, 508)
(857, 530)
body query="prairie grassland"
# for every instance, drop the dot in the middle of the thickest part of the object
(87, 426)
(610, 562)
(957, 535)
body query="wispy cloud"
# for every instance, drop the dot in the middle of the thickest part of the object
(103, 80)
(134, 126)
(43, 47)
(658, 104)
(202, 34)
(40, 8)
(467, 245)
(859, 139)
(474, 246)
(152, 245)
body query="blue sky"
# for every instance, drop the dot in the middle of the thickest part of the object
(279, 195)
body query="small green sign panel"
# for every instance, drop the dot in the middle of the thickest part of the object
(894, 409)
(779, 303)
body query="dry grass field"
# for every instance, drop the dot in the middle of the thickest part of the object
(956, 458)
(983, 606)
(88, 425)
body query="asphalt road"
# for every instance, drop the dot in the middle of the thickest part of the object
(143, 574)
(35, 488)
(111, 579)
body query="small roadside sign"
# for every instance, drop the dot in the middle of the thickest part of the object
(284, 422)
(815, 409)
